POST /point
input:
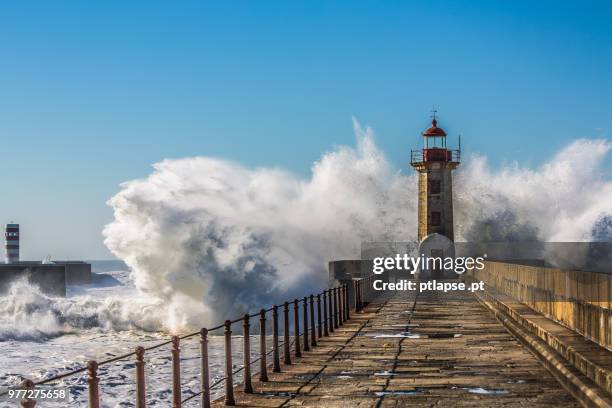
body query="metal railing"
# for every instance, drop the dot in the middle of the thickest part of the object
(364, 291)
(435, 155)
(329, 309)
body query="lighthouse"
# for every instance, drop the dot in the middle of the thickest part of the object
(11, 237)
(435, 163)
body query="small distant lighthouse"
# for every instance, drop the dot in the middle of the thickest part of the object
(435, 163)
(11, 236)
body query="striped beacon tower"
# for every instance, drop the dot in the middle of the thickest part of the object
(11, 236)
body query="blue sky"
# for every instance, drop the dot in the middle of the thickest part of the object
(91, 94)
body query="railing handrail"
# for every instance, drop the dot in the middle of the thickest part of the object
(418, 155)
(336, 298)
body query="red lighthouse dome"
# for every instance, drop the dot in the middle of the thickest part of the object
(434, 130)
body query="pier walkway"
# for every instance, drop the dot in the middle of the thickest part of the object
(399, 352)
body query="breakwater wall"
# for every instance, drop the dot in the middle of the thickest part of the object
(50, 278)
(578, 300)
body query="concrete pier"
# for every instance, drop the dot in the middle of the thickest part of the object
(51, 278)
(402, 351)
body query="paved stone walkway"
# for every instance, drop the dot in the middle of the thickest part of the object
(449, 353)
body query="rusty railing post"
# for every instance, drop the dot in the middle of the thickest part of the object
(296, 327)
(361, 303)
(140, 378)
(176, 372)
(229, 377)
(332, 318)
(335, 294)
(286, 345)
(313, 333)
(305, 316)
(330, 306)
(343, 300)
(27, 402)
(356, 289)
(346, 302)
(275, 352)
(204, 370)
(320, 325)
(340, 309)
(340, 306)
(246, 354)
(325, 331)
(362, 289)
(346, 305)
(355, 300)
(263, 366)
(366, 291)
(93, 380)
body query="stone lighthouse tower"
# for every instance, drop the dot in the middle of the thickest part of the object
(435, 163)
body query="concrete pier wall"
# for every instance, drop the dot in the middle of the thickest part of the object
(581, 301)
(77, 272)
(50, 278)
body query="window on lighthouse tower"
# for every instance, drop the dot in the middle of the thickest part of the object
(435, 218)
(434, 186)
